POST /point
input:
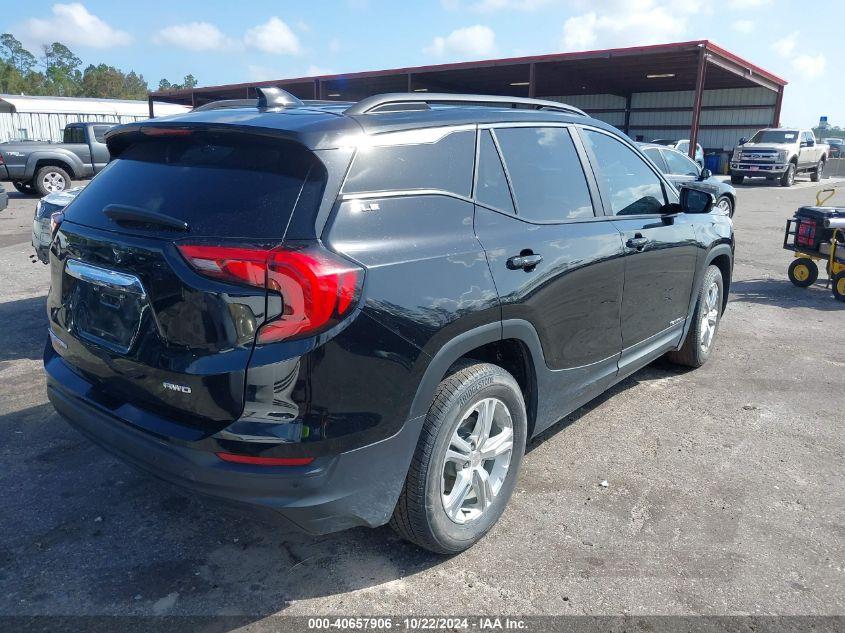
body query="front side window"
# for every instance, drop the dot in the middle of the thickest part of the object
(444, 163)
(546, 175)
(680, 164)
(633, 188)
(492, 186)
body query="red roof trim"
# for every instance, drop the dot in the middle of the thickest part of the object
(508, 61)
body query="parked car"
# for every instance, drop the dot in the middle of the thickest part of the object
(836, 147)
(4, 198)
(44, 210)
(682, 172)
(359, 317)
(682, 146)
(44, 168)
(778, 154)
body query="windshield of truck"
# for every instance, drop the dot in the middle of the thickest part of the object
(775, 136)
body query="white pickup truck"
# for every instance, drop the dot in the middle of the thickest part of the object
(779, 154)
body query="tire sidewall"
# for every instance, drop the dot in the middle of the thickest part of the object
(39, 178)
(730, 205)
(493, 384)
(712, 274)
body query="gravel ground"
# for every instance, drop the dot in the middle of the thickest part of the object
(725, 490)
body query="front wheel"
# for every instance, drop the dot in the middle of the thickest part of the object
(51, 179)
(788, 176)
(839, 286)
(803, 272)
(466, 462)
(724, 206)
(818, 172)
(705, 322)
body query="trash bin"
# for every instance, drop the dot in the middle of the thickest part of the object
(711, 162)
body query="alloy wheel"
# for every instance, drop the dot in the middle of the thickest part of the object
(709, 317)
(477, 460)
(53, 181)
(724, 206)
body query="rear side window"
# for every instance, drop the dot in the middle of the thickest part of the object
(492, 187)
(74, 135)
(546, 174)
(446, 164)
(221, 185)
(100, 132)
(656, 157)
(633, 188)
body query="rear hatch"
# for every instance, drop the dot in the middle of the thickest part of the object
(131, 312)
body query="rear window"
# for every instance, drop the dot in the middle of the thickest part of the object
(74, 135)
(221, 185)
(446, 164)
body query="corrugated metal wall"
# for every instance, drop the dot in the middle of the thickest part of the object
(49, 126)
(732, 110)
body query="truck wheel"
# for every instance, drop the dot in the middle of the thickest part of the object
(788, 177)
(24, 187)
(736, 179)
(466, 462)
(51, 179)
(705, 322)
(818, 172)
(803, 272)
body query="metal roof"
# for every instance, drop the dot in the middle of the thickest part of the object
(83, 105)
(621, 71)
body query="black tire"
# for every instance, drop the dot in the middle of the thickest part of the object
(420, 516)
(736, 179)
(838, 286)
(803, 272)
(57, 175)
(24, 187)
(728, 203)
(693, 352)
(818, 172)
(788, 177)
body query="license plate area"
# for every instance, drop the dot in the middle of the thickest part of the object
(104, 306)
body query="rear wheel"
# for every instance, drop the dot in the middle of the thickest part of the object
(788, 176)
(466, 463)
(705, 322)
(818, 172)
(839, 286)
(736, 179)
(803, 272)
(51, 179)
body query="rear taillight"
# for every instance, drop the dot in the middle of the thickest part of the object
(318, 288)
(55, 222)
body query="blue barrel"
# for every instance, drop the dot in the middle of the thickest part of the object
(711, 162)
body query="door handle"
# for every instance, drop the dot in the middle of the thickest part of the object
(525, 262)
(637, 242)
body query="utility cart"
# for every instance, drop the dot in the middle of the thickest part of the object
(817, 233)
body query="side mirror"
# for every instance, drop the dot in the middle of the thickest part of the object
(705, 174)
(696, 201)
(743, 141)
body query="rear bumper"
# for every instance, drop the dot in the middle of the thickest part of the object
(358, 487)
(745, 169)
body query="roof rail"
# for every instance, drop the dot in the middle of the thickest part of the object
(406, 101)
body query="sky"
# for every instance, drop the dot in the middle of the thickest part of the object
(228, 42)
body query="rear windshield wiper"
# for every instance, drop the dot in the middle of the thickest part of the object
(137, 215)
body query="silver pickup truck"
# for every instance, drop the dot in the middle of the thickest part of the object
(779, 154)
(45, 168)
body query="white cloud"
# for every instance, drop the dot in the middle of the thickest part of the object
(785, 45)
(628, 23)
(471, 41)
(810, 66)
(194, 36)
(488, 6)
(275, 37)
(742, 5)
(744, 26)
(74, 25)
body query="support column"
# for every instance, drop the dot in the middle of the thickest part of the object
(628, 114)
(532, 80)
(410, 86)
(699, 93)
(150, 105)
(778, 105)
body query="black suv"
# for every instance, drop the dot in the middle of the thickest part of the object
(354, 314)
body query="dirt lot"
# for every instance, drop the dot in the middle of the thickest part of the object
(725, 491)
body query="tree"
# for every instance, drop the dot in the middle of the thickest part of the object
(163, 84)
(61, 69)
(190, 82)
(134, 86)
(102, 81)
(13, 53)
